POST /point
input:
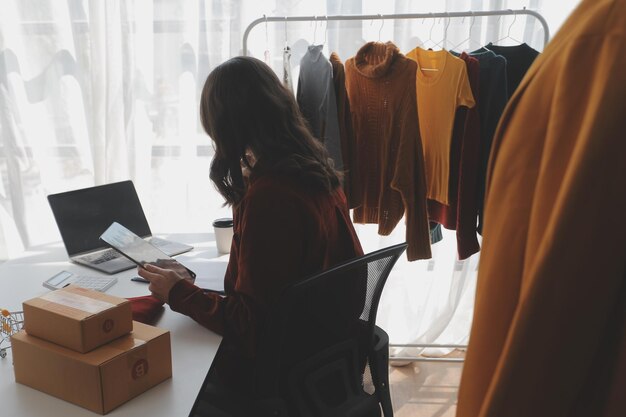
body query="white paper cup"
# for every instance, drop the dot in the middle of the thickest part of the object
(223, 229)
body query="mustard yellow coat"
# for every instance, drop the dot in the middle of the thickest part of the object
(549, 336)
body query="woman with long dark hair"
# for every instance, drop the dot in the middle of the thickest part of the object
(290, 214)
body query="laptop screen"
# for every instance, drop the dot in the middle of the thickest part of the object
(83, 215)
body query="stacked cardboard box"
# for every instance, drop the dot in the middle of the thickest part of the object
(82, 346)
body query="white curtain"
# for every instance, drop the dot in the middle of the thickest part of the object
(95, 91)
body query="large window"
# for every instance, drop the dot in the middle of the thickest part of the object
(99, 91)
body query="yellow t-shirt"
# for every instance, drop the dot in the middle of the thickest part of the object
(442, 85)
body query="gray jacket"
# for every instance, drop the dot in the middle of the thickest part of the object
(316, 98)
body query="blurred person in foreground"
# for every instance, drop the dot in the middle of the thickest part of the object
(548, 336)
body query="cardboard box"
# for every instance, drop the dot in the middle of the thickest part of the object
(99, 380)
(78, 318)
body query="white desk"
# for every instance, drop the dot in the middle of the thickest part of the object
(193, 346)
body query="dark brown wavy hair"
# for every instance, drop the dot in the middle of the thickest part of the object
(244, 107)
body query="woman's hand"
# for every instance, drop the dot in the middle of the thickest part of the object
(161, 280)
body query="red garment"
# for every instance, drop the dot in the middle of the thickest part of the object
(146, 309)
(461, 214)
(346, 133)
(283, 232)
(389, 161)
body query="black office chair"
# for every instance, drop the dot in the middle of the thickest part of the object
(376, 373)
(321, 348)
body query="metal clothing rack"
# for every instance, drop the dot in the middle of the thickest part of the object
(447, 15)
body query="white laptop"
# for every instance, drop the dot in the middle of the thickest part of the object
(83, 215)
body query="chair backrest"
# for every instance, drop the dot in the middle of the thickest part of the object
(315, 349)
(379, 265)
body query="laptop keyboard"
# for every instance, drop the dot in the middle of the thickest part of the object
(158, 242)
(168, 247)
(103, 257)
(113, 254)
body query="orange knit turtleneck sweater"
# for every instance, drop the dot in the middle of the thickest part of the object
(389, 163)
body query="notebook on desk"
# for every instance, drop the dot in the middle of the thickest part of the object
(83, 215)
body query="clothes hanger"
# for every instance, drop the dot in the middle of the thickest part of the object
(430, 38)
(323, 44)
(469, 37)
(266, 53)
(382, 20)
(442, 43)
(508, 34)
(430, 35)
(286, 39)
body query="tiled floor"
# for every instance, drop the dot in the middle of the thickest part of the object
(425, 389)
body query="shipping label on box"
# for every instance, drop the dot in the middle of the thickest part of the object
(101, 379)
(78, 318)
